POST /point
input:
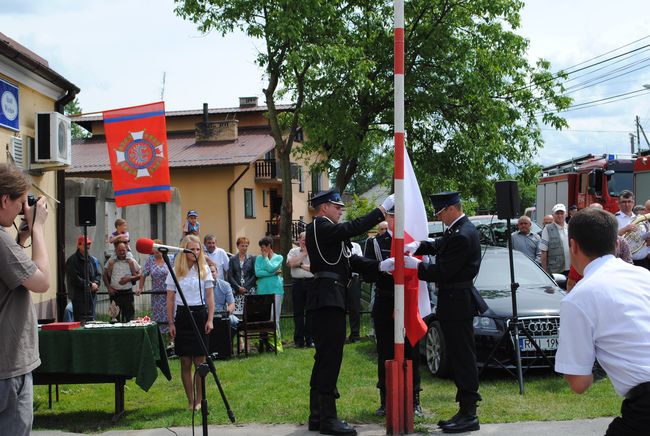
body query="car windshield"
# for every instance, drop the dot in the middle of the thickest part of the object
(495, 271)
(618, 182)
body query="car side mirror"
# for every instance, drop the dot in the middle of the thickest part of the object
(560, 279)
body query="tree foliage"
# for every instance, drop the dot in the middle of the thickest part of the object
(297, 36)
(74, 108)
(472, 99)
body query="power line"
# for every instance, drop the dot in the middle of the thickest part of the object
(585, 131)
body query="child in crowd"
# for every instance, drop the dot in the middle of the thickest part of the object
(121, 234)
(192, 225)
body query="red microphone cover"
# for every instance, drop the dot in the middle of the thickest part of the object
(144, 246)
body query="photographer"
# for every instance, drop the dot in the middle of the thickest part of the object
(19, 344)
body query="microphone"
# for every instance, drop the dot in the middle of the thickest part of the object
(147, 246)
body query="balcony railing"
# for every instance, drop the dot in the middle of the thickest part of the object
(266, 169)
(297, 226)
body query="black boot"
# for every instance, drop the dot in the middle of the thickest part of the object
(314, 411)
(382, 404)
(417, 410)
(465, 420)
(329, 423)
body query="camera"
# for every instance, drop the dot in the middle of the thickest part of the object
(31, 201)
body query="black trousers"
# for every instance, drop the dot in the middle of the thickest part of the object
(84, 308)
(124, 300)
(353, 303)
(328, 328)
(459, 339)
(382, 314)
(301, 319)
(634, 419)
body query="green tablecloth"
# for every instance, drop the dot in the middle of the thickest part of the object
(126, 351)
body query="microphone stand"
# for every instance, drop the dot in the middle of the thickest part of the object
(209, 364)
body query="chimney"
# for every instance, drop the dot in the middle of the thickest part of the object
(207, 131)
(247, 101)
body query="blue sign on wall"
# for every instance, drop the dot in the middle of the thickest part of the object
(9, 105)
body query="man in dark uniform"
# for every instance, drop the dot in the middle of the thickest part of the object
(332, 262)
(458, 257)
(378, 248)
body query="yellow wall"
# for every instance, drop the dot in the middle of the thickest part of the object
(31, 102)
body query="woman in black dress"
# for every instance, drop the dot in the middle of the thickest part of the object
(200, 299)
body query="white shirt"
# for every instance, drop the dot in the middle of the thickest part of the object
(607, 316)
(220, 258)
(298, 272)
(564, 238)
(624, 220)
(190, 287)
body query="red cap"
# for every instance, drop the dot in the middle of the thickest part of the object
(80, 240)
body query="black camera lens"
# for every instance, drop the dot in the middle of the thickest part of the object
(31, 201)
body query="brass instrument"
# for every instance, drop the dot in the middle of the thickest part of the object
(634, 238)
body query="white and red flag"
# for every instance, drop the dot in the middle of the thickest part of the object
(416, 295)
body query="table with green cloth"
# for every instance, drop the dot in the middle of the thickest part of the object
(102, 355)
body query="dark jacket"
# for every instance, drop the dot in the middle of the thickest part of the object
(332, 240)
(384, 280)
(458, 258)
(74, 274)
(235, 272)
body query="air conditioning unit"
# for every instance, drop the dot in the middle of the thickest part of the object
(53, 139)
(17, 151)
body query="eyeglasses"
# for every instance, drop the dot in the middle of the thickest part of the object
(441, 211)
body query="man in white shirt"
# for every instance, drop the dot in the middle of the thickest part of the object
(554, 244)
(607, 317)
(216, 256)
(624, 217)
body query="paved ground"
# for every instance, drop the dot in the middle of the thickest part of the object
(580, 427)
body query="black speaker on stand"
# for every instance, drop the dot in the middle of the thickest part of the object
(85, 216)
(508, 203)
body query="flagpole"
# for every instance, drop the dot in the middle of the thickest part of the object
(398, 417)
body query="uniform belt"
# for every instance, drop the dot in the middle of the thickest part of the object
(329, 275)
(638, 391)
(456, 285)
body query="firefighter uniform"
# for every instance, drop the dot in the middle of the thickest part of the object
(332, 263)
(458, 257)
(379, 248)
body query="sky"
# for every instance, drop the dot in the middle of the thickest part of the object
(118, 51)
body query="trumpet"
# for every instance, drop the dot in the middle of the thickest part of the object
(634, 238)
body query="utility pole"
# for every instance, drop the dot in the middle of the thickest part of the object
(162, 90)
(639, 126)
(638, 136)
(632, 143)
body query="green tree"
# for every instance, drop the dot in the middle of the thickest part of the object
(472, 98)
(74, 108)
(297, 36)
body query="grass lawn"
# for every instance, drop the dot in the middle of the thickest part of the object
(269, 389)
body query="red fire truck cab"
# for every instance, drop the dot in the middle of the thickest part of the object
(584, 180)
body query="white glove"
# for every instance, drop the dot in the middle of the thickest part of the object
(411, 247)
(389, 202)
(387, 265)
(411, 262)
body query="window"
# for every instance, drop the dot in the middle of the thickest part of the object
(315, 182)
(157, 220)
(249, 203)
(265, 203)
(301, 180)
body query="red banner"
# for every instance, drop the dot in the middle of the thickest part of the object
(137, 148)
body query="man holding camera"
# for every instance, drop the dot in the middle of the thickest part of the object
(21, 274)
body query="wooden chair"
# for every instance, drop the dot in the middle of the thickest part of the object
(258, 320)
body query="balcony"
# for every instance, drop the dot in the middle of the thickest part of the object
(266, 171)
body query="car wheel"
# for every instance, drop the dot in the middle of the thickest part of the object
(436, 351)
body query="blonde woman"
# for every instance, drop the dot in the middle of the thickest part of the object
(200, 300)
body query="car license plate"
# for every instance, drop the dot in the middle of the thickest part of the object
(544, 342)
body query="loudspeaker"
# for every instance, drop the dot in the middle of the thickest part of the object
(220, 338)
(507, 199)
(85, 214)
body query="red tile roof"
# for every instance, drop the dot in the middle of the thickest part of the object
(91, 155)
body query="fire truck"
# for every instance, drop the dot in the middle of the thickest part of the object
(588, 179)
(642, 177)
